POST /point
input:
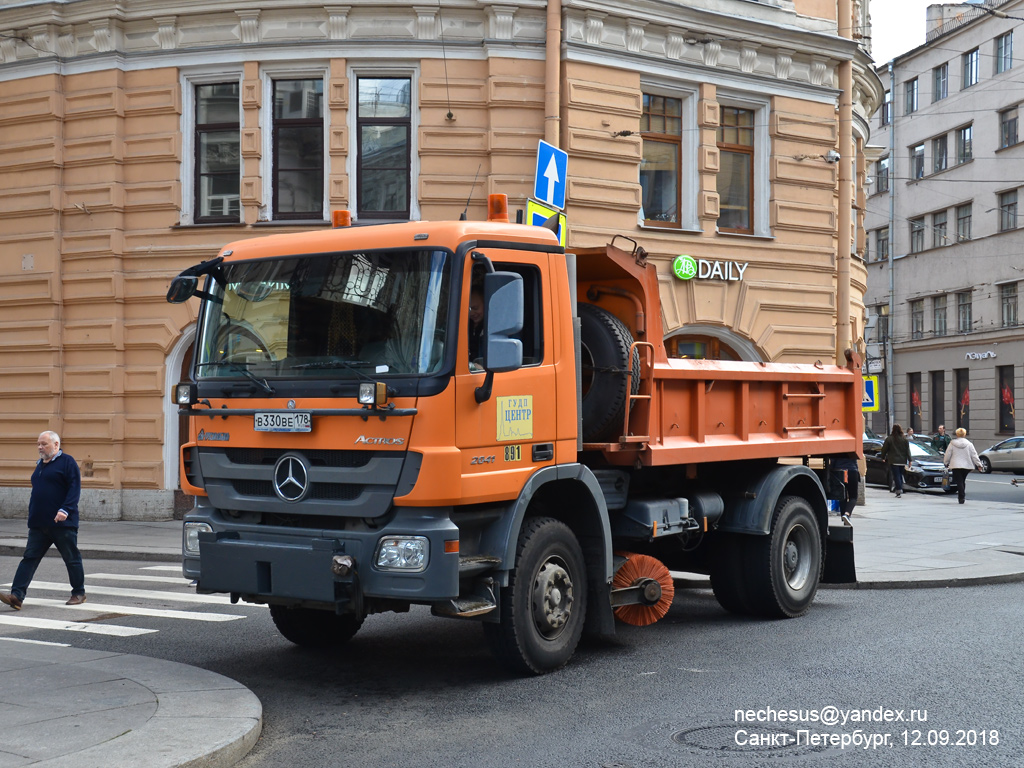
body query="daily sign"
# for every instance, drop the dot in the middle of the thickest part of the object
(687, 268)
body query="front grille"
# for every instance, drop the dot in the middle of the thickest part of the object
(318, 491)
(316, 458)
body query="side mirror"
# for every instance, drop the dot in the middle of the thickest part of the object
(503, 302)
(183, 288)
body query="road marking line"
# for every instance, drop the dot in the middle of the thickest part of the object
(129, 610)
(75, 626)
(141, 594)
(175, 568)
(136, 577)
(34, 642)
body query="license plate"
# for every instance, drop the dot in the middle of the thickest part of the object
(296, 421)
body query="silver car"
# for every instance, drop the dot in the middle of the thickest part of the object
(1007, 456)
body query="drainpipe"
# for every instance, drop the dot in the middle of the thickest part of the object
(890, 404)
(552, 72)
(844, 245)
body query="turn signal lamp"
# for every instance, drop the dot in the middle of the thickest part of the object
(341, 218)
(497, 208)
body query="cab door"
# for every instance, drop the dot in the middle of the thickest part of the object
(505, 438)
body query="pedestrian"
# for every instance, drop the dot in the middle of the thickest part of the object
(940, 440)
(896, 453)
(961, 457)
(849, 470)
(52, 520)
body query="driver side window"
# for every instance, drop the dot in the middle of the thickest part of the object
(532, 334)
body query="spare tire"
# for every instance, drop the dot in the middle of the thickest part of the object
(605, 365)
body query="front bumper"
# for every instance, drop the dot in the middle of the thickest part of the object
(294, 566)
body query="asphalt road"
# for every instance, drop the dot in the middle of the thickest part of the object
(996, 486)
(411, 690)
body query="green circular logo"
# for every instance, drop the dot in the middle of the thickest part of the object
(685, 267)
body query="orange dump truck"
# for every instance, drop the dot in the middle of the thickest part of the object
(463, 415)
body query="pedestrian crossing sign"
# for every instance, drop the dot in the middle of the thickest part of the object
(870, 399)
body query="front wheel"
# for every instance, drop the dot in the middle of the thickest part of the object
(785, 567)
(986, 465)
(545, 603)
(314, 629)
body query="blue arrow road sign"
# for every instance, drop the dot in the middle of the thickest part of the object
(870, 400)
(549, 179)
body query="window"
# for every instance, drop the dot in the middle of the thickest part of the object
(1004, 52)
(963, 312)
(939, 315)
(916, 235)
(963, 222)
(218, 158)
(937, 394)
(939, 238)
(736, 174)
(963, 398)
(661, 126)
(914, 392)
(1008, 128)
(886, 111)
(1008, 210)
(917, 319)
(882, 174)
(940, 82)
(298, 149)
(1007, 422)
(384, 142)
(939, 154)
(970, 68)
(910, 97)
(917, 161)
(1008, 304)
(964, 141)
(882, 244)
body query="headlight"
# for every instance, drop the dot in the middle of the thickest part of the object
(185, 394)
(403, 553)
(367, 393)
(192, 531)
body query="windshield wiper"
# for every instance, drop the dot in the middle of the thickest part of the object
(350, 365)
(241, 368)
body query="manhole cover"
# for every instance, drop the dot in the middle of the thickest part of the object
(746, 739)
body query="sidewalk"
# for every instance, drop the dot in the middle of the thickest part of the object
(88, 709)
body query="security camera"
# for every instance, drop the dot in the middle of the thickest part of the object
(832, 157)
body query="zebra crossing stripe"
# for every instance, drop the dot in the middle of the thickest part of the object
(133, 611)
(34, 642)
(74, 626)
(141, 594)
(136, 577)
(175, 568)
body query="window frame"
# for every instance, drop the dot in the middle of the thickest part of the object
(276, 126)
(910, 96)
(885, 113)
(1005, 400)
(964, 216)
(1004, 52)
(760, 165)
(970, 68)
(917, 318)
(964, 144)
(940, 238)
(882, 174)
(1009, 314)
(940, 153)
(882, 244)
(354, 73)
(940, 82)
(188, 80)
(917, 161)
(964, 312)
(916, 235)
(1009, 125)
(939, 306)
(1008, 210)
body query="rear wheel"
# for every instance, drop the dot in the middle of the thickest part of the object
(314, 629)
(986, 465)
(785, 567)
(544, 605)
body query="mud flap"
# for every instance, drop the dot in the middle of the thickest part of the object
(839, 565)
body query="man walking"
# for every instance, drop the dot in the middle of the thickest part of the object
(52, 520)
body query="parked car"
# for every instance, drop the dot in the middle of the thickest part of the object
(1007, 456)
(925, 472)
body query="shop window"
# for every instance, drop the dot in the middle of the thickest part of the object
(937, 395)
(914, 396)
(963, 398)
(1007, 415)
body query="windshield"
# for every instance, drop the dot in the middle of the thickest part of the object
(919, 451)
(347, 315)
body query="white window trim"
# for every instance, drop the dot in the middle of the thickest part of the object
(762, 156)
(689, 181)
(189, 80)
(351, 164)
(268, 74)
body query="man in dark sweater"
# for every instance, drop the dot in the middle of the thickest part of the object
(52, 520)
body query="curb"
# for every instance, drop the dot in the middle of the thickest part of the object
(11, 549)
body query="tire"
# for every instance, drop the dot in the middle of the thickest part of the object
(785, 567)
(315, 629)
(604, 349)
(544, 606)
(728, 577)
(986, 465)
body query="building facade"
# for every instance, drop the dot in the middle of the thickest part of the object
(944, 258)
(137, 139)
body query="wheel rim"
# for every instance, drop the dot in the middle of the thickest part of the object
(796, 557)
(552, 598)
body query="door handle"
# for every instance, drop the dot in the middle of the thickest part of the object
(543, 452)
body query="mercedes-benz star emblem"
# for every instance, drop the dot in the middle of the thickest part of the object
(291, 478)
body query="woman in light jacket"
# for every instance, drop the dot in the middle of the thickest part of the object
(961, 457)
